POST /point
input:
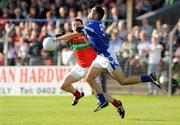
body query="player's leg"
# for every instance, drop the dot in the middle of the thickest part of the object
(117, 73)
(116, 103)
(120, 77)
(67, 84)
(90, 78)
(72, 77)
(92, 74)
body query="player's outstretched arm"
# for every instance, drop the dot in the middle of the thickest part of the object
(67, 36)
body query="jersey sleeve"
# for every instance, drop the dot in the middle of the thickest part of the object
(89, 29)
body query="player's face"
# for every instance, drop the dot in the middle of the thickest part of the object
(92, 14)
(76, 24)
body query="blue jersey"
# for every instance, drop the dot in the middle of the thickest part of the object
(96, 36)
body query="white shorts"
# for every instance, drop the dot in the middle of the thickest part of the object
(79, 73)
(110, 63)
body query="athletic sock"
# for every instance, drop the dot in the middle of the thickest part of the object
(145, 78)
(116, 103)
(101, 98)
(77, 93)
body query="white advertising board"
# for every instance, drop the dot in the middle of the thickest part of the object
(36, 80)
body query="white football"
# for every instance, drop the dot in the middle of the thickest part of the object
(49, 44)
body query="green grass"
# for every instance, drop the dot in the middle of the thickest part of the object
(57, 110)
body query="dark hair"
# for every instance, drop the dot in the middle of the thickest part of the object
(100, 11)
(78, 19)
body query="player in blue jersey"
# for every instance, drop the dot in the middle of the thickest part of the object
(106, 59)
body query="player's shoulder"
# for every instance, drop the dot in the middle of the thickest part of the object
(93, 22)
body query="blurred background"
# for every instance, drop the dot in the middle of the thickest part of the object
(145, 35)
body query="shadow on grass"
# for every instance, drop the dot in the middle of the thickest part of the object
(150, 120)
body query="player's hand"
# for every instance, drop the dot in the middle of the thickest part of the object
(59, 34)
(79, 29)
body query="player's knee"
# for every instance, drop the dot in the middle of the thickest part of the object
(63, 86)
(88, 79)
(123, 82)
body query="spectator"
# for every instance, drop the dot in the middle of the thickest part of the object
(59, 3)
(42, 11)
(24, 9)
(178, 30)
(68, 58)
(23, 53)
(50, 29)
(46, 4)
(18, 36)
(155, 49)
(143, 45)
(122, 29)
(17, 13)
(115, 14)
(53, 12)
(177, 54)
(139, 7)
(33, 13)
(65, 11)
(72, 4)
(129, 47)
(11, 53)
(135, 32)
(147, 6)
(82, 16)
(43, 33)
(35, 49)
(67, 27)
(158, 28)
(34, 3)
(121, 7)
(48, 61)
(11, 7)
(5, 13)
(72, 15)
(165, 33)
(3, 3)
(62, 15)
(165, 37)
(146, 27)
(115, 42)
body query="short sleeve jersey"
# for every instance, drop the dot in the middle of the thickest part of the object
(96, 36)
(84, 53)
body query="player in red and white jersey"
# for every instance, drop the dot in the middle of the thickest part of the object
(84, 54)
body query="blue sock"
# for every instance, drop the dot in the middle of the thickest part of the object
(100, 97)
(145, 78)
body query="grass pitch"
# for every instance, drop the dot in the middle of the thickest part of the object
(57, 110)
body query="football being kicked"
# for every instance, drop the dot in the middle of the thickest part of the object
(49, 44)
